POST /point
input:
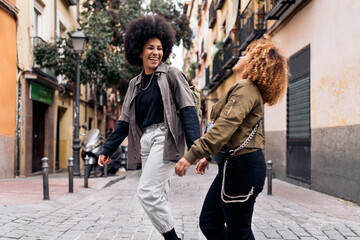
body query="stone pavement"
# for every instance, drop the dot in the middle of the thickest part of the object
(113, 212)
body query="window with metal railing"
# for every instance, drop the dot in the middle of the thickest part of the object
(231, 55)
(276, 8)
(219, 4)
(217, 66)
(212, 15)
(252, 23)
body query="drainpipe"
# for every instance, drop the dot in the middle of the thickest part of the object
(77, 10)
(55, 24)
(86, 100)
(18, 123)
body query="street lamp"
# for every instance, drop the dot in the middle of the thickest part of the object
(79, 41)
(205, 91)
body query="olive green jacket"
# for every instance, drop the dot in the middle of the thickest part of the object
(234, 115)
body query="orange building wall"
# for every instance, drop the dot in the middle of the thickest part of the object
(7, 73)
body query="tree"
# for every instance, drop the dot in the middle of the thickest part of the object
(103, 62)
(171, 11)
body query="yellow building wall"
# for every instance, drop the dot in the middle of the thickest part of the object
(65, 104)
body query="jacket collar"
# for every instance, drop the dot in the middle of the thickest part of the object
(160, 69)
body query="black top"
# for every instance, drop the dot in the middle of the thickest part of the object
(149, 110)
(148, 103)
(188, 116)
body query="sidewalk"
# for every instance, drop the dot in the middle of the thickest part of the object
(23, 191)
(109, 209)
(29, 190)
(315, 201)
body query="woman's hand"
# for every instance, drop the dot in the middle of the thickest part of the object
(103, 160)
(201, 166)
(181, 166)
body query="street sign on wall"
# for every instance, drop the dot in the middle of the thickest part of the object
(40, 93)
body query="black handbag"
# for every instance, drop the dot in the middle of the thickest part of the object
(225, 152)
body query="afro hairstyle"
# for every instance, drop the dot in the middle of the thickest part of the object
(140, 30)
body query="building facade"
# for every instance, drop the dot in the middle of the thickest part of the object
(47, 101)
(311, 134)
(8, 80)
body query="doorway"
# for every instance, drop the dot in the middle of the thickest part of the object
(60, 115)
(298, 118)
(38, 144)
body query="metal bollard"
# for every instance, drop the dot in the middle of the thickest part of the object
(45, 171)
(71, 174)
(86, 174)
(105, 170)
(269, 175)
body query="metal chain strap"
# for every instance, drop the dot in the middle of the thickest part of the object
(247, 140)
(234, 200)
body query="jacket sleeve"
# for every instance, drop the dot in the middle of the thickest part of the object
(190, 122)
(115, 138)
(125, 116)
(238, 106)
(181, 88)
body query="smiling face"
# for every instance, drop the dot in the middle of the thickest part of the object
(151, 55)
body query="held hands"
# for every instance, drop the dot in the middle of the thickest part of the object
(181, 166)
(201, 166)
(103, 160)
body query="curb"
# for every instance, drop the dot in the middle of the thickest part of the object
(111, 182)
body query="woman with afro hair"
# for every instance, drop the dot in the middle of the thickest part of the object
(237, 136)
(158, 114)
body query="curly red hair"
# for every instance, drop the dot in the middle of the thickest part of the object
(268, 69)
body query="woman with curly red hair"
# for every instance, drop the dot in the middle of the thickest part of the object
(236, 141)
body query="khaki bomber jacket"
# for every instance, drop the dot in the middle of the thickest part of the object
(174, 135)
(234, 115)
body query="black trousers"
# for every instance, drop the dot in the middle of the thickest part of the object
(220, 220)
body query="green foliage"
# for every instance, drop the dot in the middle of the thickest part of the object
(172, 12)
(103, 23)
(192, 71)
(219, 45)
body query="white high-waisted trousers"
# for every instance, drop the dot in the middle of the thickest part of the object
(154, 184)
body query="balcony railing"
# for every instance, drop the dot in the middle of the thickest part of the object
(252, 23)
(217, 71)
(71, 2)
(219, 4)
(207, 76)
(212, 15)
(203, 4)
(36, 41)
(277, 8)
(203, 51)
(231, 56)
(198, 61)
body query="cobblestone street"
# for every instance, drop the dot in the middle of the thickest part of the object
(114, 213)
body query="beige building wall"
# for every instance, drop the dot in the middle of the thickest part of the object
(335, 85)
(335, 63)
